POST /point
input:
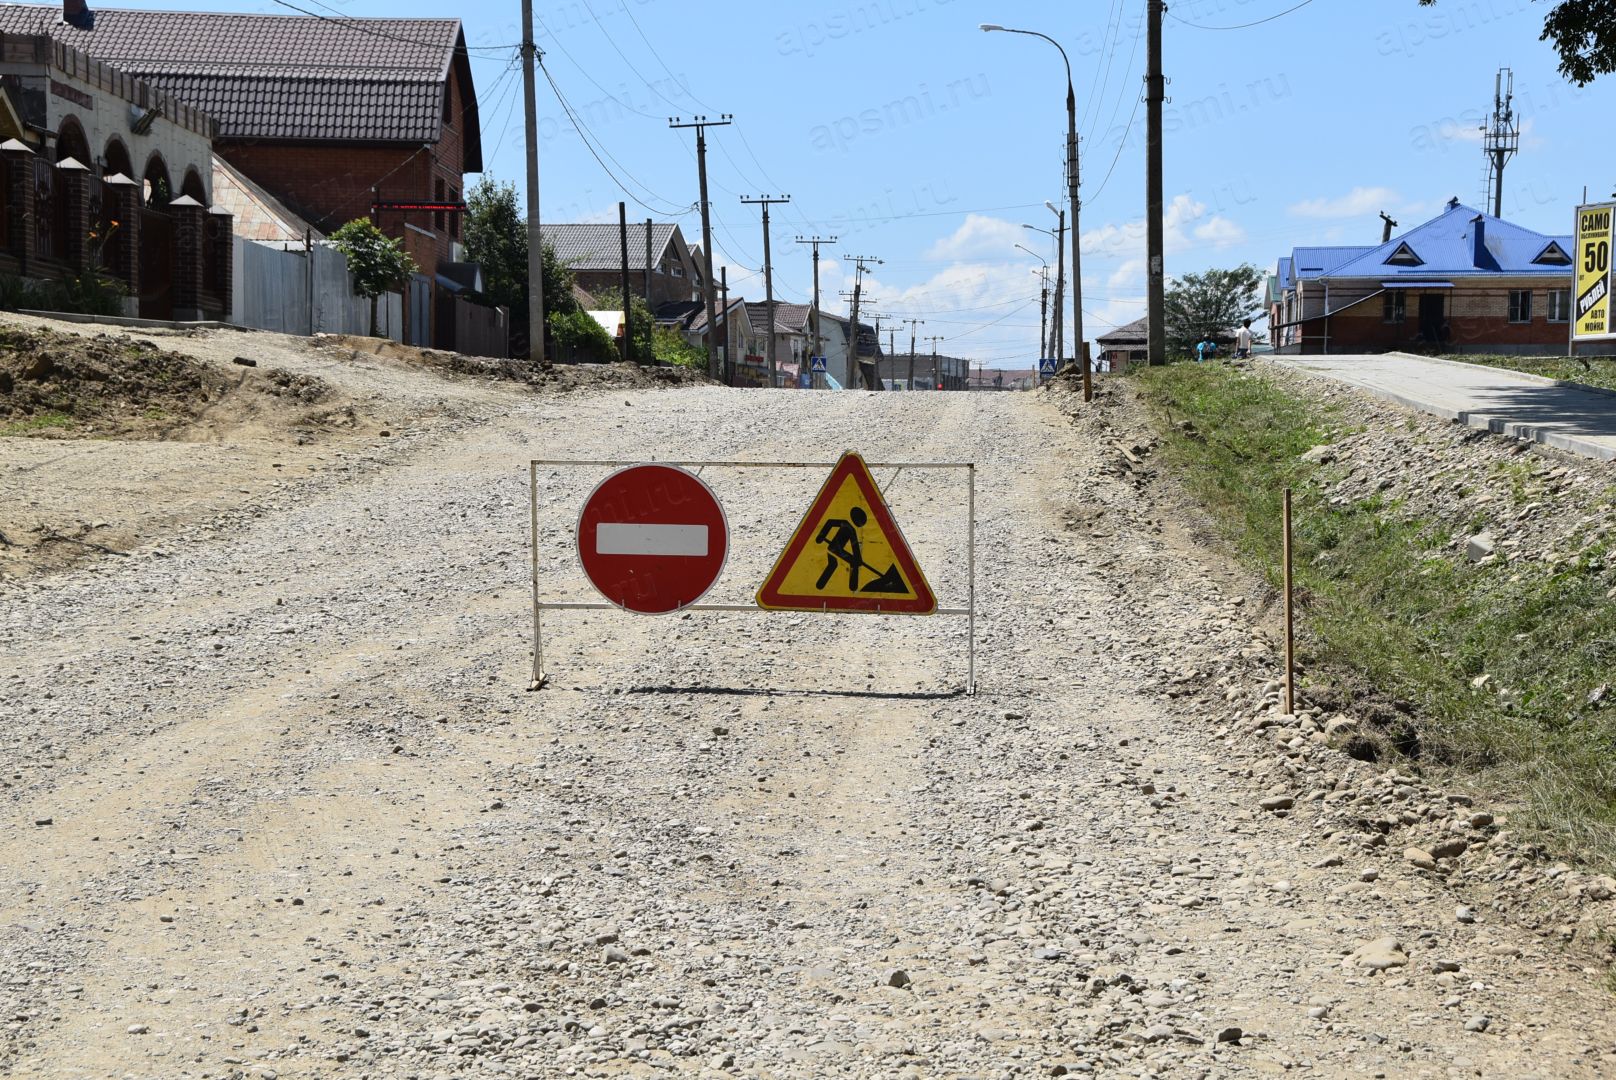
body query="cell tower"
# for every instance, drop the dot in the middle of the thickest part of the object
(1501, 138)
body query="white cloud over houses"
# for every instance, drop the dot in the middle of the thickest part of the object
(979, 236)
(1355, 203)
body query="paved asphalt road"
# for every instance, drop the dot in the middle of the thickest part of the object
(1507, 402)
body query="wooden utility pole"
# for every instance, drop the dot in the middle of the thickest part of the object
(934, 339)
(912, 324)
(768, 273)
(628, 322)
(819, 341)
(535, 240)
(648, 257)
(1155, 248)
(701, 124)
(712, 329)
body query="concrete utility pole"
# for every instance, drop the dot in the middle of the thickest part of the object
(535, 240)
(1059, 327)
(934, 339)
(912, 324)
(813, 313)
(1502, 135)
(768, 273)
(859, 270)
(1043, 299)
(712, 330)
(892, 348)
(648, 257)
(1155, 247)
(701, 124)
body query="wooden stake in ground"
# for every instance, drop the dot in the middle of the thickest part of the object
(1290, 615)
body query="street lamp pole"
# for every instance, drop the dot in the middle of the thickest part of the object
(1043, 298)
(1071, 186)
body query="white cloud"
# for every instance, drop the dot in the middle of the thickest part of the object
(1185, 227)
(979, 236)
(1355, 203)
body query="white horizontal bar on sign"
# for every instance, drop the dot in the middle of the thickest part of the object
(623, 539)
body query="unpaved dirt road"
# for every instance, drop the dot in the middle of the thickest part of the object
(277, 802)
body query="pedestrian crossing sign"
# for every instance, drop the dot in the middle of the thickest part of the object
(847, 554)
(816, 365)
(1047, 365)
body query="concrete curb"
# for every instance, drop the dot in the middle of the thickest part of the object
(139, 324)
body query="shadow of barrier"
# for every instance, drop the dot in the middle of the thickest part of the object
(867, 607)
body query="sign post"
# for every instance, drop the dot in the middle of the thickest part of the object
(1591, 300)
(1046, 368)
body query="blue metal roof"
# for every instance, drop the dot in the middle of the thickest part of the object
(1446, 247)
(1286, 274)
(1313, 262)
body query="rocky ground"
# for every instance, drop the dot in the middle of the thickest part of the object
(280, 805)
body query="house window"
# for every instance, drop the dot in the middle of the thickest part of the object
(1393, 306)
(1520, 305)
(1559, 305)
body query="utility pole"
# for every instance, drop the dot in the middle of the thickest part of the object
(819, 341)
(712, 329)
(701, 124)
(535, 240)
(1081, 356)
(912, 324)
(934, 339)
(1388, 224)
(628, 323)
(1155, 265)
(860, 269)
(768, 271)
(1501, 138)
(1043, 312)
(892, 349)
(648, 257)
(1058, 327)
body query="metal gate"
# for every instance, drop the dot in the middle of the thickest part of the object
(156, 264)
(419, 330)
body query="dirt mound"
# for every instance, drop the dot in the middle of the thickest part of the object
(55, 385)
(561, 378)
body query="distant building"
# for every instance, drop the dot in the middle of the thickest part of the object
(1464, 281)
(1126, 344)
(952, 372)
(593, 251)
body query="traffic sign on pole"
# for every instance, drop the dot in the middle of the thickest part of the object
(1046, 366)
(652, 538)
(816, 365)
(847, 554)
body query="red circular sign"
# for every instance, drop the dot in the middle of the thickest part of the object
(652, 538)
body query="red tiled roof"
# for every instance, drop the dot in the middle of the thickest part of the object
(290, 77)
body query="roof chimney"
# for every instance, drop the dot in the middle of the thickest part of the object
(77, 13)
(1479, 257)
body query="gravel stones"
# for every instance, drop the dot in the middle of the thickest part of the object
(1381, 954)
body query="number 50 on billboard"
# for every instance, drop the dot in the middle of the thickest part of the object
(1591, 321)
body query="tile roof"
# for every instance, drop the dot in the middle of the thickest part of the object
(596, 245)
(258, 214)
(783, 324)
(1132, 333)
(1445, 246)
(292, 77)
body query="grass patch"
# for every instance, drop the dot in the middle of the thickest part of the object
(44, 421)
(1386, 600)
(1589, 370)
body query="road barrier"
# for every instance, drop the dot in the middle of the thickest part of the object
(653, 539)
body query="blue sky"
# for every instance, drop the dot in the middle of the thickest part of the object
(900, 127)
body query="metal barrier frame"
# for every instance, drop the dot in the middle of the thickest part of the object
(539, 605)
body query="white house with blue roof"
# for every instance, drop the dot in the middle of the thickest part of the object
(1464, 281)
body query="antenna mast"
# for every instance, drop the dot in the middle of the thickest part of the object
(1501, 138)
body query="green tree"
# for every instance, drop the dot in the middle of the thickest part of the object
(495, 229)
(582, 338)
(1212, 304)
(1584, 33)
(643, 350)
(672, 348)
(378, 264)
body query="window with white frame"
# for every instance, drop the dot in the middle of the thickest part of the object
(1520, 305)
(1559, 305)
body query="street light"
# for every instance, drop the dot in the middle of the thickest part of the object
(1043, 300)
(1071, 185)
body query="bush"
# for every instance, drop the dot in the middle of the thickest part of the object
(671, 348)
(580, 338)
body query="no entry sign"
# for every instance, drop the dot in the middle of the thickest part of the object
(652, 538)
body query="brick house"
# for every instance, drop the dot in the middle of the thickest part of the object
(593, 251)
(99, 169)
(1462, 282)
(324, 114)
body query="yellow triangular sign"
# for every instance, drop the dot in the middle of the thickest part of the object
(848, 554)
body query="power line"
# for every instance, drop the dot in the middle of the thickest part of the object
(629, 11)
(627, 62)
(578, 125)
(585, 71)
(1241, 26)
(368, 27)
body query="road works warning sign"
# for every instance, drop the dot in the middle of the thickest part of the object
(848, 554)
(1591, 319)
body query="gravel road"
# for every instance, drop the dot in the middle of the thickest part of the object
(278, 804)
